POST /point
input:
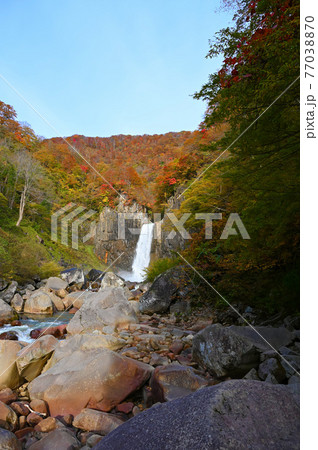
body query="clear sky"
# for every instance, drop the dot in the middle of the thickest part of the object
(104, 67)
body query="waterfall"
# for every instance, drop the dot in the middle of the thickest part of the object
(142, 254)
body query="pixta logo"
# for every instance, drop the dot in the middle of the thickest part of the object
(75, 220)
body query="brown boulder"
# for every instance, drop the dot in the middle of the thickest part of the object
(9, 375)
(173, 381)
(9, 336)
(33, 419)
(39, 406)
(95, 378)
(7, 396)
(56, 331)
(47, 425)
(8, 418)
(96, 421)
(32, 358)
(20, 408)
(125, 408)
(7, 314)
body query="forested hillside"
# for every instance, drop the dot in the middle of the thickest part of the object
(247, 148)
(256, 91)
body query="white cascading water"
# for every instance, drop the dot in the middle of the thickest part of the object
(142, 255)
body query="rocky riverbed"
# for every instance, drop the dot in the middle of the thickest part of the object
(134, 367)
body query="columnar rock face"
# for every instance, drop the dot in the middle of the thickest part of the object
(168, 240)
(97, 378)
(108, 243)
(108, 307)
(237, 414)
(233, 351)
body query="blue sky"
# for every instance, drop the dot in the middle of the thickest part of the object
(105, 67)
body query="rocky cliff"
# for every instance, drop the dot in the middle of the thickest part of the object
(109, 243)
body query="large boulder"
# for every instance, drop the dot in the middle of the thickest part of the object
(39, 302)
(73, 276)
(236, 414)
(7, 314)
(9, 375)
(163, 291)
(170, 382)
(17, 303)
(97, 421)
(31, 359)
(233, 351)
(109, 307)
(76, 299)
(110, 279)
(8, 294)
(9, 441)
(56, 283)
(94, 378)
(84, 342)
(8, 418)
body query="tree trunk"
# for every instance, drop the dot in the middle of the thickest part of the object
(22, 205)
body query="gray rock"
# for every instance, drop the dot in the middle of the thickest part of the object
(110, 279)
(233, 351)
(3, 284)
(39, 302)
(180, 307)
(57, 440)
(237, 414)
(8, 293)
(251, 375)
(6, 312)
(273, 367)
(294, 379)
(291, 364)
(172, 381)
(8, 441)
(100, 309)
(56, 283)
(271, 379)
(162, 292)
(73, 276)
(17, 303)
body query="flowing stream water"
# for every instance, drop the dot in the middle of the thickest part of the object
(142, 255)
(31, 323)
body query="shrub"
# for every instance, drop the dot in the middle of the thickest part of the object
(159, 266)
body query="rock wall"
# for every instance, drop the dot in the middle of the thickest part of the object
(163, 245)
(108, 245)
